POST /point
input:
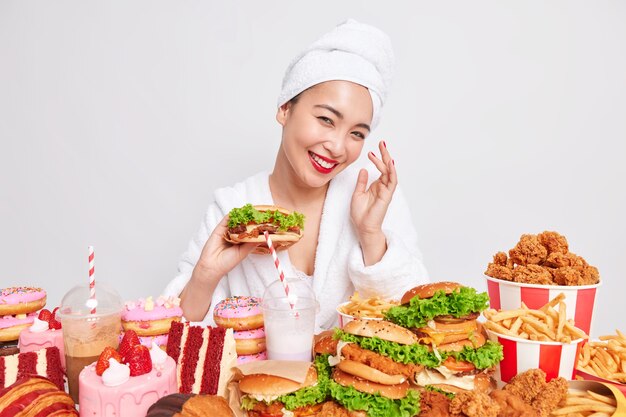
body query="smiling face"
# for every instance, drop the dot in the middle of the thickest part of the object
(324, 130)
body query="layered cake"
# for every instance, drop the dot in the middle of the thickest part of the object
(109, 388)
(44, 332)
(35, 396)
(45, 362)
(205, 357)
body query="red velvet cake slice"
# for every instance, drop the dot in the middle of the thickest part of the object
(44, 362)
(205, 357)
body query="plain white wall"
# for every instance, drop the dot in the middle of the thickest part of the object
(118, 119)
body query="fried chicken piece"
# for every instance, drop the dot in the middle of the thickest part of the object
(527, 385)
(554, 242)
(568, 275)
(499, 271)
(434, 404)
(380, 362)
(532, 274)
(528, 251)
(549, 398)
(500, 258)
(474, 404)
(332, 409)
(511, 405)
(559, 260)
(590, 275)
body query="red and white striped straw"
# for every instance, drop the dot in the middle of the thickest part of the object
(92, 278)
(281, 274)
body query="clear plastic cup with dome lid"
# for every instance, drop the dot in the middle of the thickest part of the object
(289, 320)
(89, 325)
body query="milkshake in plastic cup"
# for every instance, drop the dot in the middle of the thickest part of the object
(86, 334)
(289, 331)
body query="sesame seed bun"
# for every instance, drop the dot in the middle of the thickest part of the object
(394, 392)
(428, 290)
(263, 384)
(382, 329)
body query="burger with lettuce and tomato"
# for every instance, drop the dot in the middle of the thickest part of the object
(442, 316)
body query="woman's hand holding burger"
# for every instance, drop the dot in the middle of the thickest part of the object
(369, 205)
(218, 257)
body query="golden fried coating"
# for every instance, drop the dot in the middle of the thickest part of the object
(528, 251)
(532, 274)
(434, 404)
(559, 260)
(500, 258)
(499, 271)
(511, 405)
(554, 242)
(332, 409)
(568, 275)
(590, 275)
(384, 364)
(550, 397)
(474, 404)
(527, 385)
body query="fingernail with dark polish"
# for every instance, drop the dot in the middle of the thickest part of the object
(384, 144)
(394, 161)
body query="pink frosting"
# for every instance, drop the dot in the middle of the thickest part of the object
(16, 295)
(238, 306)
(30, 342)
(130, 399)
(251, 358)
(250, 334)
(10, 321)
(162, 308)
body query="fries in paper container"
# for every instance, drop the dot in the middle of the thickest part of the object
(604, 360)
(543, 338)
(587, 398)
(372, 308)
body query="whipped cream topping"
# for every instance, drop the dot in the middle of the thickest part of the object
(38, 326)
(115, 374)
(157, 355)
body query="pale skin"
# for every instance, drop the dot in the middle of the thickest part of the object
(328, 121)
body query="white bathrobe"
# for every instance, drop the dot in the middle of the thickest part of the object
(339, 267)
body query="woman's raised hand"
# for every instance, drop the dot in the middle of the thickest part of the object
(369, 205)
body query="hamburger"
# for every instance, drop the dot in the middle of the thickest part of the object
(443, 317)
(247, 224)
(373, 368)
(273, 396)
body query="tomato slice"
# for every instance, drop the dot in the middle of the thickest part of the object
(458, 366)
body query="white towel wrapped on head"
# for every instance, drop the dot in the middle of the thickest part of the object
(352, 51)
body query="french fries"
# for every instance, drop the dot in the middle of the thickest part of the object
(547, 324)
(605, 358)
(586, 403)
(372, 308)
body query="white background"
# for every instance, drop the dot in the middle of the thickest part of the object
(119, 118)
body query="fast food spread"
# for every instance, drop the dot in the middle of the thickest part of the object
(542, 259)
(427, 354)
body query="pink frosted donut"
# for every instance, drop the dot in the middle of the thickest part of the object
(151, 318)
(11, 326)
(250, 342)
(251, 358)
(239, 313)
(21, 300)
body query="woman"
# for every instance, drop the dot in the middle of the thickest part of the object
(356, 237)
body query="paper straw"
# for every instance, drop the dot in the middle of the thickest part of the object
(92, 279)
(281, 275)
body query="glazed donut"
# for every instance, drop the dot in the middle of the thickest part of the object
(151, 318)
(250, 342)
(239, 313)
(251, 358)
(11, 326)
(21, 300)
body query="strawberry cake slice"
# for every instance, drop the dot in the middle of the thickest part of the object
(126, 382)
(44, 332)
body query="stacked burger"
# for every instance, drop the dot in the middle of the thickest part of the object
(443, 317)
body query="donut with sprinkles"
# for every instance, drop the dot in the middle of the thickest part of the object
(239, 313)
(21, 300)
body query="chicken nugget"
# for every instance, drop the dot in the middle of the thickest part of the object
(527, 385)
(528, 251)
(474, 404)
(554, 242)
(532, 274)
(549, 398)
(568, 275)
(590, 275)
(511, 405)
(499, 271)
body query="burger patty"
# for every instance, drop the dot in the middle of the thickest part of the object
(451, 319)
(241, 230)
(276, 407)
(379, 362)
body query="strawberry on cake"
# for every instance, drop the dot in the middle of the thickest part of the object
(127, 381)
(44, 332)
(205, 357)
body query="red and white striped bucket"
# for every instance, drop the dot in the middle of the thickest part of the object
(580, 300)
(554, 358)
